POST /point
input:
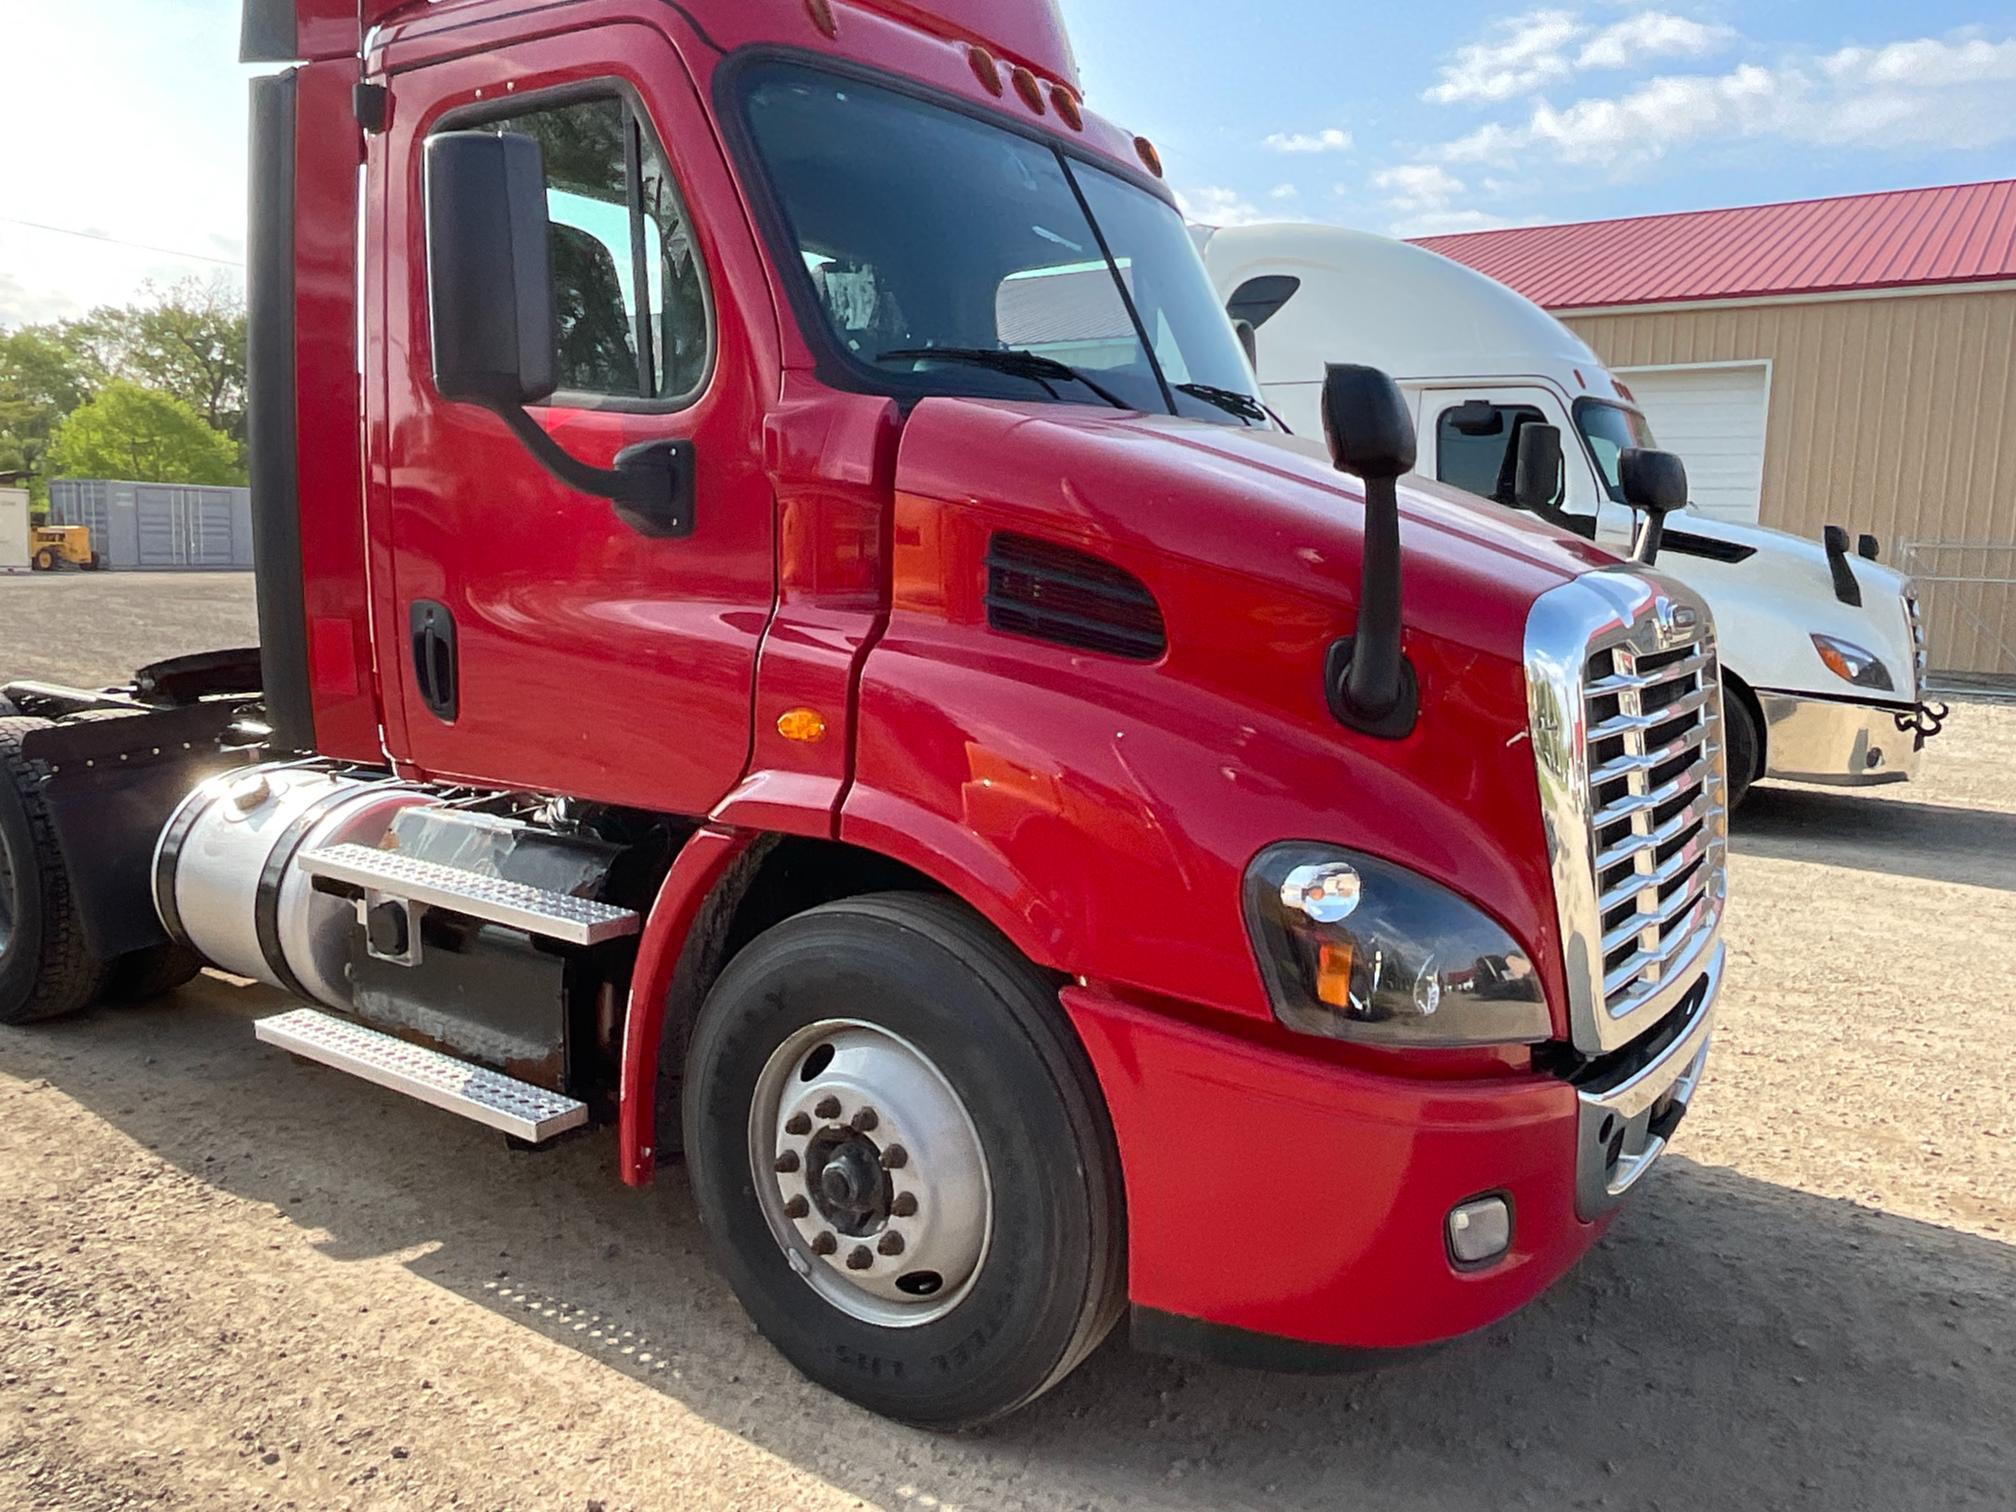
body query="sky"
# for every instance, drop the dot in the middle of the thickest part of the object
(128, 119)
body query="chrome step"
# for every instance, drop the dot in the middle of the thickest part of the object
(549, 915)
(487, 1097)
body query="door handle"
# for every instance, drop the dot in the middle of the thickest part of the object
(435, 666)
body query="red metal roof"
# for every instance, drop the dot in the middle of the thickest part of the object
(1959, 233)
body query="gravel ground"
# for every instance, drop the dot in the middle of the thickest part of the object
(230, 1281)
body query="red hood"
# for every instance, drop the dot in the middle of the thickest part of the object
(1254, 503)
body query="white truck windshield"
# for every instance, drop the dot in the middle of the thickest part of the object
(1611, 430)
(947, 254)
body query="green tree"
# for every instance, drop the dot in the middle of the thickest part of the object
(187, 340)
(143, 435)
(44, 375)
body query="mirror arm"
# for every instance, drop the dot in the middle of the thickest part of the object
(1650, 537)
(651, 485)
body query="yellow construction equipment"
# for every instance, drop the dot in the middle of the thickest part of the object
(59, 546)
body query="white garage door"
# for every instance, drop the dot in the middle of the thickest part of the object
(1714, 417)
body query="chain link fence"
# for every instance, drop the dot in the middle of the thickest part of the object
(1967, 593)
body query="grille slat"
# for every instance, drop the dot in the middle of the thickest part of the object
(1655, 799)
(1071, 598)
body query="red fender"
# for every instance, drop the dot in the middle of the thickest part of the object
(695, 874)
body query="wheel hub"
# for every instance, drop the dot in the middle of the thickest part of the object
(870, 1173)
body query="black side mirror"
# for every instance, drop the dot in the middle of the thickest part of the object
(1477, 417)
(491, 292)
(1371, 685)
(1249, 342)
(490, 270)
(1536, 483)
(1655, 484)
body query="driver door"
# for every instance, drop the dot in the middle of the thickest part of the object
(527, 637)
(1480, 458)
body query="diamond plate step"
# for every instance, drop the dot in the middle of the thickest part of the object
(499, 1102)
(549, 915)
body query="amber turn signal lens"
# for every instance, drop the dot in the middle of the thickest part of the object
(1333, 974)
(806, 726)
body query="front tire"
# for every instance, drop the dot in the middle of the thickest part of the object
(903, 1162)
(46, 968)
(45, 560)
(1744, 746)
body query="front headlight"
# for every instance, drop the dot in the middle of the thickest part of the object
(1355, 948)
(1852, 664)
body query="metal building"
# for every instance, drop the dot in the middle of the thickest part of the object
(158, 525)
(1843, 361)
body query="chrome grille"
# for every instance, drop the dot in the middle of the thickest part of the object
(1922, 655)
(1627, 730)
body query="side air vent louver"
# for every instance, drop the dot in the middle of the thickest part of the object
(1071, 598)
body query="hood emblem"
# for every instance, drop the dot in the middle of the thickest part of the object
(1675, 622)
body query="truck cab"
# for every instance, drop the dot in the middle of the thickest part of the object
(788, 636)
(1822, 645)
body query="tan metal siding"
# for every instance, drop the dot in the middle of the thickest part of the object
(1893, 415)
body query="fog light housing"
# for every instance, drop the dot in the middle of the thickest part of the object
(1480, 1231)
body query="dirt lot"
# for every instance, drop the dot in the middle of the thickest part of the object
(228, 1281)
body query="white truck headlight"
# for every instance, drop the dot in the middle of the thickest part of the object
(1355, 948)
(1852, 664)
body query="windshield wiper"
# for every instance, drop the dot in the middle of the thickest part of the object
(1245, 406)
(1018, 363)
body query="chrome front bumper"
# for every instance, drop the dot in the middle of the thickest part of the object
(1627, 1120)
(1837, 743)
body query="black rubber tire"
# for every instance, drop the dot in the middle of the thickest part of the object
(47, 970)
(1740, 737)
(45, 560)
(1054, 1278)
(151, 973)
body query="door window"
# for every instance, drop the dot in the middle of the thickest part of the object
(1477, 448)
(630, 298)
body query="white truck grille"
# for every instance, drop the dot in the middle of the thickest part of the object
(1626, 698)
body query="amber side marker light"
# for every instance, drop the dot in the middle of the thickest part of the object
(821, 12)
(806, 726)
(1149, 156)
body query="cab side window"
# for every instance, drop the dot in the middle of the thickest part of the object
(1477, 447)
(630, 295)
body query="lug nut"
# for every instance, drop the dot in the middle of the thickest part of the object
(799, 1125)
(865, 1121)
(859, 1258)
(892, 1244)
(787, 1163)
(829, 1107)
(905, 1205)
(825, 1244)
(797, 1208)
(895, 1158)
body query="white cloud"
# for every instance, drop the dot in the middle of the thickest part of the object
(1519, 55)
(1219, 206)
(1928, 94)
(1652, 34)
(1284, 192)
(1418, 186)
(1523, 54)
(1331, 139)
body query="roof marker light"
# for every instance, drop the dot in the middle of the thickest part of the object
(1067, 107)
(1031, 90)
(1149, 156)
(986, 70)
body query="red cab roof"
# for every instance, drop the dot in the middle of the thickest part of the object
(1959, 233)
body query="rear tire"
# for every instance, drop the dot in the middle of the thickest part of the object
(46, 968)
(1744, 746)
(921, 983)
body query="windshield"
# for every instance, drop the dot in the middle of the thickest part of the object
(1611, 430)
(949, 255)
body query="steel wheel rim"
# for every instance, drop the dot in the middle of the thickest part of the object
(870, 1174)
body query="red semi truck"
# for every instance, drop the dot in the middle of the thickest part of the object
(786, 630)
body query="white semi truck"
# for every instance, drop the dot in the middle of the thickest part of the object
(1823, 646)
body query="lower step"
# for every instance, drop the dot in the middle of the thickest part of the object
(487, 1097)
